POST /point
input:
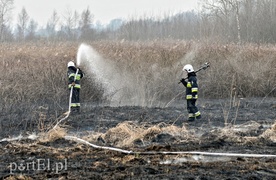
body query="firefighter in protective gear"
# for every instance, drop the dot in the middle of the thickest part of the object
(74, 82)
(191, 92)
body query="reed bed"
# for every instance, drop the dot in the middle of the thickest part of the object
(34, 74)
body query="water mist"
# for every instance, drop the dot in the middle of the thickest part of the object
(113, 80)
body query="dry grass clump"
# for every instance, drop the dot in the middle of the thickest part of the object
(53, 134)
(93, 136)
(243, 133)
(126, 133)
(247, 127)
(270, 133)
(228, 134)
(18, 177)
(239, 133)
(175, 131)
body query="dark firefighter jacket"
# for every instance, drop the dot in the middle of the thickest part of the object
(71, 77)
(191, 86)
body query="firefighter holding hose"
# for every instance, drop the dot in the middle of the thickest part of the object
(191, 92)
(74, 76)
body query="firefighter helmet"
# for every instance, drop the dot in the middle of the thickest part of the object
(189, 68)
(71, 63)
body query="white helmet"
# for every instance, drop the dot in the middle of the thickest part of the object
(71, 63)
(189, 68)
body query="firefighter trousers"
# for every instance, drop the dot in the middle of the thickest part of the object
(75, 100)
(192, 109)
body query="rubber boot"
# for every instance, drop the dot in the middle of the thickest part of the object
(198, 117)
(191, 119)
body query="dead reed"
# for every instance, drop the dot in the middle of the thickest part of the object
(34, 75)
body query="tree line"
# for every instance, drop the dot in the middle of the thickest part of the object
(237, 21)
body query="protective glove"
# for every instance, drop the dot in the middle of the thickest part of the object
(81, 72)
(73, 84)
(183, 81)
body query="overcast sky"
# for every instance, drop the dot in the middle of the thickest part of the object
(103, 10)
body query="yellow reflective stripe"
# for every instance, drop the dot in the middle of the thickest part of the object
(72, 74)
(195, 89)
(197, 113)
(78, 77)
(189, 85)
(196, 96)
(76, 86)
(189, 97)
(74, 104)
(191, 115)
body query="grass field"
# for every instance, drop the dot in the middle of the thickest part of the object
(131, 100)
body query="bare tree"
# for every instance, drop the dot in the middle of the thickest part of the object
(52, 23)
(76, 19)
(31, 30)
(222, 11)
(68, 25)
(6, 7)
(265, 21)
(247, 19)
(236, 5)
(85, 24)
(225, 20)
(23, 20)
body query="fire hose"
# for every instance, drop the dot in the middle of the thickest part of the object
(70, 100)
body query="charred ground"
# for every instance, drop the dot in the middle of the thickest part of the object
(249, 128)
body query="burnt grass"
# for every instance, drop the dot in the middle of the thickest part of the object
(65, 159)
